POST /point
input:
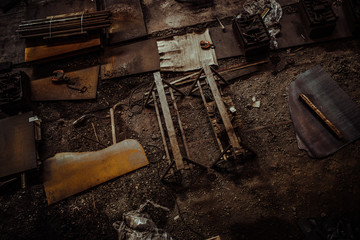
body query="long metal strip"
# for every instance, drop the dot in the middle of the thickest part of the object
(168, 122)
(180, 124)
(234, 140)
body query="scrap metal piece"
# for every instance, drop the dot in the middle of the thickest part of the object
(252, 35)
(333, 102)
(168, 122)
(17, 145)
(233, 139)
(66, 174)
(318, 17)
(331, 126)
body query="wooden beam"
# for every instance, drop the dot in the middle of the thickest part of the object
(234, 140)
(168, 122)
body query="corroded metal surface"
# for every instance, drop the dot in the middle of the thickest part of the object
(333, 102)
(66, 174)
(127, 20)
(17, 145)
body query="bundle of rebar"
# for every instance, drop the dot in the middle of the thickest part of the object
(64, 25)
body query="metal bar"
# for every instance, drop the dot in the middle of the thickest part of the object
(221, 155)
(161, 128)
(233, 139)
(168, 122)
(167, 170)
(150, 93)
(196, 80)
(180, 124)
(219, 76)
(207, 111)
(113, 133)
(175, 88)
(318, 113)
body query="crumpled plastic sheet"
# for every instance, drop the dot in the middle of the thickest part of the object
(272, 18)
(139, 226)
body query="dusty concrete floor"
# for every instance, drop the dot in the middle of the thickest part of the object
(263, 199)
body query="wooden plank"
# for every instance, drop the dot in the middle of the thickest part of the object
(168, 122)
(234, 141)
(42, 52)
(44, 90)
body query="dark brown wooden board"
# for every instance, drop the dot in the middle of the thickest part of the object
(333, 102)
(127, 20)
(130, 59)
(44, 90)
(17, 145)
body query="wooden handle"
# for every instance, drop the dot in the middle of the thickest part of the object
(307, 101)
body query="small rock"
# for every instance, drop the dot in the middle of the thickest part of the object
(256, 104)
(155, 136)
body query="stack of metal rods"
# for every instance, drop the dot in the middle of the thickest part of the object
(64, 25)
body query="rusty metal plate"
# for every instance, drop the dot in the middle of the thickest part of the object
(17, 145)
(127, 20)
(130, 59)
(12, 47)
(226, 45)
(292, 28)
(42, 9)
(66, 174)
(44, 90)
(333, 102)
(165, 14)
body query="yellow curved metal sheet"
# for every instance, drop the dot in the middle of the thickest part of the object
(69, 173)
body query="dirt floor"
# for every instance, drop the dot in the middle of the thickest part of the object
(263, 198)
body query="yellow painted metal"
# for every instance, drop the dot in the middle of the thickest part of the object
(66, 174)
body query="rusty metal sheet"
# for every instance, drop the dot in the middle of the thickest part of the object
(134, 58)
(226, 45)
(42, 9)
(183, 53)
(333, 102)
(165, 14)
(17, 144)
(127, 20)
(44, 90)
(44, 52)
(292, 28)
(12, 47)
(66, 174)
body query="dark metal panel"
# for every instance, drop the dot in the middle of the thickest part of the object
(127, 20)
(17, 145)
(333, 102)
(130, 59)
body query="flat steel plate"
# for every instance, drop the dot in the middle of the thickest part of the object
(130, 59)
(44, 90)
(333, 102)
(17, 145)
(127, 20)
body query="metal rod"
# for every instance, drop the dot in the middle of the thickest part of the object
(180, 124)
(171, 86)
(161, 128)
(148, 96)
(196, 80)
(329, 124)
(207, 111)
